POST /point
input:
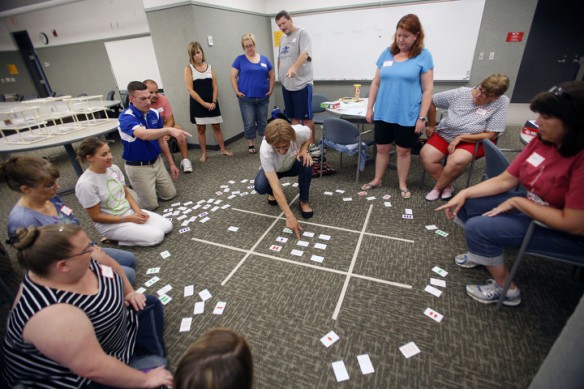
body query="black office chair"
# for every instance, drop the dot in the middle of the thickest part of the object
(110, 95)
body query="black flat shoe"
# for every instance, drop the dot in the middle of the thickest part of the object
(272, 202)
(306, 215)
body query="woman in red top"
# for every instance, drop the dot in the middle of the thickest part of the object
(551, 168)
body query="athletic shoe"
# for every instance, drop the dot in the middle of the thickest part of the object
(463, 261)
(491, 292)
(447, 192)
(433, 195)
(186, 165)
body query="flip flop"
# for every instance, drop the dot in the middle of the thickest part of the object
(369, 186)
(251, 149)
(227, 153)
(203, 159)
(405, 193)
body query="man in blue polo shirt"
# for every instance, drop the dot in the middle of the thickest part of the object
(142, 133)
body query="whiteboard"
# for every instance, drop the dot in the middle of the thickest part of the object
(347, 43)
(133, 60)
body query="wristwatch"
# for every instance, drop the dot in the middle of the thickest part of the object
(423, 118)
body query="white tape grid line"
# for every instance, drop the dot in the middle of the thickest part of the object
(349, 274)
(327, 226)
(352, 266)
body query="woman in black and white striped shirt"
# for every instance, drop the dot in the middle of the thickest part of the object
(75, 319)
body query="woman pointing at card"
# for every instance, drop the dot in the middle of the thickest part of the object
(551, 169)
(284, 153)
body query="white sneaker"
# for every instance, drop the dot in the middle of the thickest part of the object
(490, 293)
(186, 165)
(463, 261)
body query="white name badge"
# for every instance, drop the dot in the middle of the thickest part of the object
(107, 271)
(481, 111)
(160, 109)
(387, 63)
(66, 210)
(263, 65)
(293, 40)
(535, 159)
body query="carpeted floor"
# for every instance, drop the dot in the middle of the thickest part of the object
(369, 288)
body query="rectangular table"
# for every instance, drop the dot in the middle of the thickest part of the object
(65, 140)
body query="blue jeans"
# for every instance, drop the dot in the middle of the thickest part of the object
(254, 113)
(486, 236)
(304, 173)
(126, 259)
(150, 350)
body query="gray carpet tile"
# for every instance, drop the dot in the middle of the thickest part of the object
(284, 304)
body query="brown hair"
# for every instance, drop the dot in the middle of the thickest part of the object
(495, 84)
(88, 148)
(282, 14)
(29, 171)
(565, 102)
(192, 49)
(39, 247)
(248, 37)
(411, 23)
(279, 131)
(134, 86)
(219, 359)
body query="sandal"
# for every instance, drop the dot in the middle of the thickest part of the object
(227, 153)
(105, 240)
(369, 186)
(251, 149)
(203, 158)
(273, 201)
(405, 193)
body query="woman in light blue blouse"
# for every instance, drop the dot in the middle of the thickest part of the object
(252, 79)
(401, 93)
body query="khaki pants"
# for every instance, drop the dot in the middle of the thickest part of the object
(151, 183)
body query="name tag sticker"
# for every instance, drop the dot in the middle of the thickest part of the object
(66, 210)
(263, 65)
(107, 271)
(535, 159)
(160, 109)
(481, 111)
(387, 63)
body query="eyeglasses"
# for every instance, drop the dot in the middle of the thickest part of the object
(483, 93)
(54, 186)
(248, 46)
(89, 249)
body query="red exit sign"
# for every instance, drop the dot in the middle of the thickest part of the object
(514, 36)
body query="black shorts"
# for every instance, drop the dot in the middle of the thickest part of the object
(387, 133)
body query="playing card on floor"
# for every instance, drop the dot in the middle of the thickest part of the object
(329, 339)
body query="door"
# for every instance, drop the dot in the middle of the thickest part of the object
(554, 52)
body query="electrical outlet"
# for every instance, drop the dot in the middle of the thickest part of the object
(491, 55)
(481, 55)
